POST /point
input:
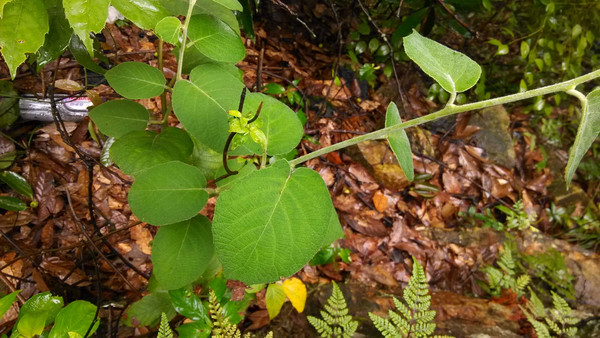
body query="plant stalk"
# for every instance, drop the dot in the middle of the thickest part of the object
(448, 110)
(186, 23)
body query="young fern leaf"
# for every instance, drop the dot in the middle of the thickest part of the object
(413, 317)
(336, 321)
(164, 330)
(558, 320)
(222, 328)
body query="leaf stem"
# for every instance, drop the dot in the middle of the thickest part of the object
(186, 23)
(566, 86)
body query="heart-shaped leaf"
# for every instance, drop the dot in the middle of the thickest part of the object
(399, 142)
(215, 39)
(454, 71)
(201, 104)
(136, 80)
(144, 13)
(181, 252)
(140, 150)
(588, 130)
(85, 17)
(270, 224)
(119, 117)
(74, 320)
(22, 30)
(279, 123)
(168, 193)
(169, 29)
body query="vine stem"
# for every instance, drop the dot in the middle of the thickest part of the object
(451, 109)
(186, 23)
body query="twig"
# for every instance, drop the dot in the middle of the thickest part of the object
(289, 10)
(389, 44)
(459, 20)
(11, 287)
(259, 70)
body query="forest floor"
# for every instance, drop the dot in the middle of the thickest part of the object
(464, 165)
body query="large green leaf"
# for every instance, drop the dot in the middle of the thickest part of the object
(75, 320)
(119, 117)
(147, 310)
(168, 193)
(140, 150)
(399, 141)
(144, 13)
(38, 312)
(271, 223)
(169, 29)
(136, 80)
(588, 130)
(181, 252)
(2, 3)
(201, 104)
(59, 35)
(279, 123)
(454, 71)
(22, 30)
(7, 301)
(215, 39)
(17, 182)
(86, 16)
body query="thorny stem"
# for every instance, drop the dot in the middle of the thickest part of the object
(566, 86)
(184, 38)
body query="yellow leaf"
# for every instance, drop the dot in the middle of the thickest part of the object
(295, 291)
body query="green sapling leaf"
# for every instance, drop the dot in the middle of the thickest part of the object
(38, 312)
(215, 39)
(144, 13)
(399, 142)
(74, 320)
(143, 149)
(85, 17)
(168, 193)
(169, 29)
(22, 29)
(454, 71)
(136, 80)
(588, 130)
(119, 117)
(265, 228)
(181, 252)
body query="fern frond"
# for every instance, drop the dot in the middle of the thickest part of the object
(164, 330)
(384, 326)
(222, 328)
(561, 306)
(558, 319)
(521, 283)
(336, 322)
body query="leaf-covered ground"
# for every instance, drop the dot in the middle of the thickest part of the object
(464, 166)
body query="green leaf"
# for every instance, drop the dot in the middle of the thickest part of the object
(12, 204)
(201, 104)
(119, 117)
(187, 304)
(2, 3)
(144, 13)
(22, 30)
(230, 4)
(38, 312)
(212, 7)
(399, 142)
(454, 71)
(81, 55)
(136, 80)
(147, 311)
(274, 298)
(278, 122)
(168, 193)
(194, 330)
(215, 39)
(181, 252)
(524, 49)
(85, 17)
(270, 224)
(588, 130)
(59, 35)
(334, 230)
(140, 150)
(7, 301)
(169, 29)
(274, 89)
(75, 320)
(17, 183)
